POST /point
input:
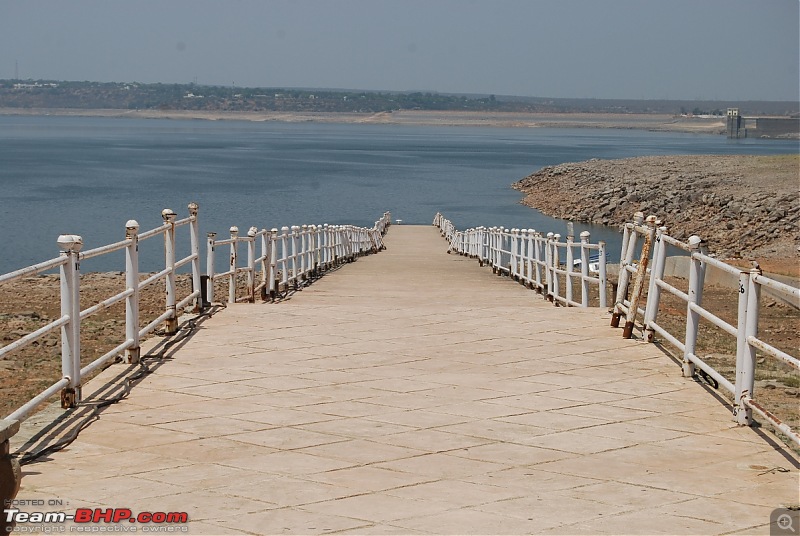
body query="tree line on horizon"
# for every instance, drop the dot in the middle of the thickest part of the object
(158, 96)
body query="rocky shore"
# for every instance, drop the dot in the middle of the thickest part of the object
(746, 207)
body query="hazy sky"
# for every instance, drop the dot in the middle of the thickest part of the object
(652, 49)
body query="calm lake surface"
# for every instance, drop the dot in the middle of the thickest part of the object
(88, 176)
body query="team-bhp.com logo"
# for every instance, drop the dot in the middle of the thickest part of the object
(89, 519)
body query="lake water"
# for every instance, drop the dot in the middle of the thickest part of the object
(88, 176)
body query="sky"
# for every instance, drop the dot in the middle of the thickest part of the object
(626, 49)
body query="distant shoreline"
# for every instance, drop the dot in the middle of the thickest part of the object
(651, 122)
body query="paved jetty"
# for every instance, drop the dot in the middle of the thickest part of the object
(413, 392)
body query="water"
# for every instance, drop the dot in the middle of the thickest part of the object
(88, 176)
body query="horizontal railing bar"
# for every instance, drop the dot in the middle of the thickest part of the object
(153, 278)
(154, 324)
(34, 269)
(787, 291)
(34, 335)
(714, 319)
(96, 252)
(672, 290)
(773, 420)
(774, 352)
(675, 242)
(226, 241)
(100, 361)
(184, 302)
(26, 409)
(186, 260)
(153, 232)
(713, 373)
(718, 264)
(668, 336)
(184, 221)
(105, 304)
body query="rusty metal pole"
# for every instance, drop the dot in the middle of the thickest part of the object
(628, 250)
(641, 274)
(654, 291)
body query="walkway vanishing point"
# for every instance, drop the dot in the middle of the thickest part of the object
(413, 392)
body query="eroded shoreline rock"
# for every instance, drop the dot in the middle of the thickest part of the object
(744, 206)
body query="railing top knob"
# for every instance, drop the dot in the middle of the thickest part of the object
(284, 228)
(694, 242)
(273, 231)
(168, 215)
(550, 234)
(252, 232)
(234, 230)
(638, 218)
(651, 220)
(585, 234)
(211, 234)
(132, 225)
(70, 242)
(295, 228)
(193, 208)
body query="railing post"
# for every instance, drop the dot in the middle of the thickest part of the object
(603, 276)
(251, 263)
(285, 257)
(750, 293)
(303, 250)
(654, 291)
(696, 276)
(513, 257)
(569, 266)
(210, 246)
(641, 274)
(295, 235)
(273, 263)
(585, 235)
(132, 354)
(265, 263)
(194, 230)
(556, 258)
(548, 260)
(627, 252)
(171, 323)
(71, 331)
(537, 259)
(233, 262)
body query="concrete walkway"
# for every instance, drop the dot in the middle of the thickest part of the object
(413, 392)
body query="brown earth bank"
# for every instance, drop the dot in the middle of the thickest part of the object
(654, 122)
(745, 207)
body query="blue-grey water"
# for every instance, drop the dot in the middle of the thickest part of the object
(88, 176)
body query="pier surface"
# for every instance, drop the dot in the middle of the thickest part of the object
(413, 392)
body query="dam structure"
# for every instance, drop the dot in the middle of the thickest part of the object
(409, 390)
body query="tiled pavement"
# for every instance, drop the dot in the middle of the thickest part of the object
(412, 392)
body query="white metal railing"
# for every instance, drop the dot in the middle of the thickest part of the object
(535, 260)
(289, 257)
(71, 317)
(745, 330)
(286, 259)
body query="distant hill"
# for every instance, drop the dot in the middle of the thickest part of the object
(136, 96)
